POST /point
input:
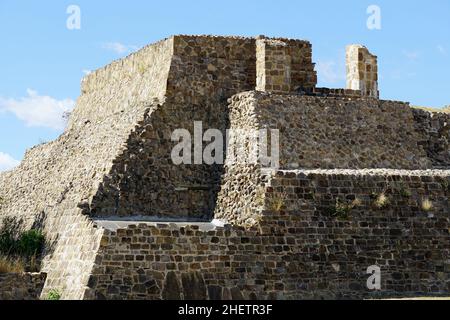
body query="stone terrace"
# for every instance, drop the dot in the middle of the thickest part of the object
(126, 223)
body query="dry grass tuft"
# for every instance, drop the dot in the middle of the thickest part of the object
(382, 201)
(444, 110)
(9, 265)
(427, 205)
(277, 202)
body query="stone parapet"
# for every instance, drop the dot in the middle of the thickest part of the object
(362, 71)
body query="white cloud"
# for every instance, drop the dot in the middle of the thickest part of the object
(328, 71)
(87, 72)
(442, 50)
(118, 47)
(411, 55)
(7, 162)
(38, 111)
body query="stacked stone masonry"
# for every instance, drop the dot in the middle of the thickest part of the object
(284, 66)
(298, 252)
(362, 71)
(21, 286)
(113, 163)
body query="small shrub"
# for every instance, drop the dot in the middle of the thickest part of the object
(18, 247)
(382, 201)
(31, 243)
(444, 183)
(9, 234)
(427, 205)
(404, 192)
(341, 210)
(277, 202)
(8, 265)
(54, 295)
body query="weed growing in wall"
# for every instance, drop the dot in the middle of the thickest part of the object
(54, 295)
(277, 202)
(382, 201)
(403, 190)
(427, 205)
(342, 209)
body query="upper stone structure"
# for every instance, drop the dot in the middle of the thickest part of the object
(109, 196)
(284, 66)
(362, 71)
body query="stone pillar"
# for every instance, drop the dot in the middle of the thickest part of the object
(362, 71)
(273, 66)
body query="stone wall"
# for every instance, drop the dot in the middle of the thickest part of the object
(113, 161)
(434, 132)
(336, 93)
(71, 253)
(58, 180)
(362, 70)
(318, 132)
(205, 72)
(273, 66)
(21, 286)
(284, 65)
(140, 78)
(298, 250)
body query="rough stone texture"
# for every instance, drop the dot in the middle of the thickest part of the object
(21, 286)
(86, 171)
(113, 162)
(326, 132)
(299, 251)
(205, 71)
(284, 65)
(273, 66)
(362, 71)
(434, 130)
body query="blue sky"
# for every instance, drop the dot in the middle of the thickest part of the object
(42, 62)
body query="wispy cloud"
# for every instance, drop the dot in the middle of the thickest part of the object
(442, 49)
(411, 55)
(7, 162)
(38, 111)
(398, 74)
(329, 71)
(119, 48)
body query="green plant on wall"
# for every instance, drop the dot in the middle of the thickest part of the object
(9, 235)
(342, 209)
(445, 185)
(403, 190)
(405, 193)
(31, 243)
(54, 295)
(18, 245)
